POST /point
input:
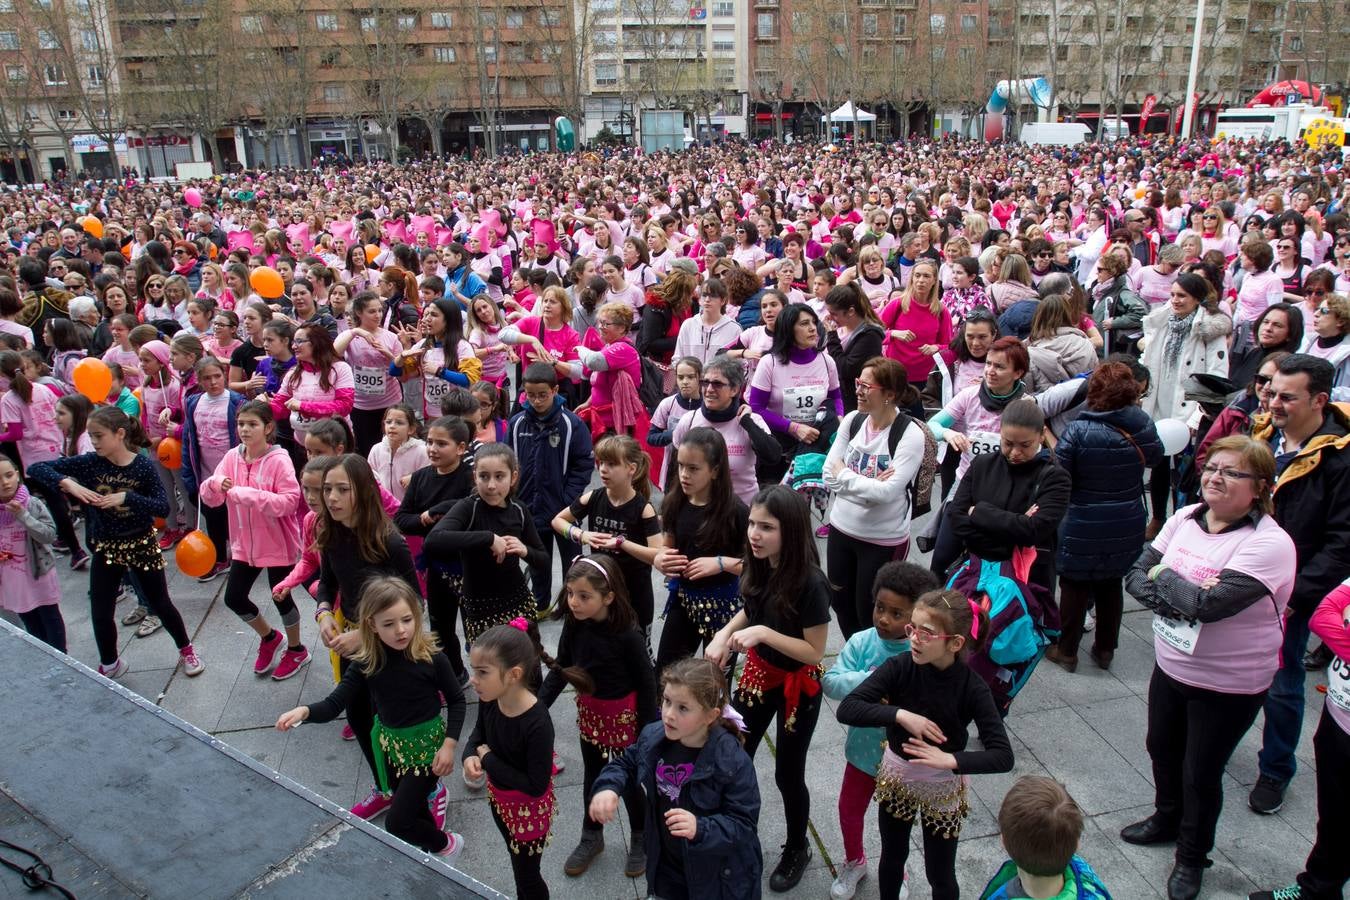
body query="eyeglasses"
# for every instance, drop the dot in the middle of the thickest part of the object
(1316, 292)
(864, 386)
(1323, 310)
(296, 342)
(1210, 218)
(921, 637)
(613, 324)
(710, 385)
(1045, 255)
(1263, 380)
(180, 253)
(154, 286)
(1214, 471)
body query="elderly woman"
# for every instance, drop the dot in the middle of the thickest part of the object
(1218, 579)
(1106, 451)
(1331, 325)
(613, 399)
(747, 435)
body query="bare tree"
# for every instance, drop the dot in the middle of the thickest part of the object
(822, 60)
(385, 60)
(670, 68)
(17, 120)
(278, 81)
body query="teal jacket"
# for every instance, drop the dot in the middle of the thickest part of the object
(1080, 883)
(864, 652)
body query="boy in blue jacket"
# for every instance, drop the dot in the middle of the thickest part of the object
(556, 460)
(896, 587)
(1041, 826)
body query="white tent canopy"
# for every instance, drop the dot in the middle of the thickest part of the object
(845, 114)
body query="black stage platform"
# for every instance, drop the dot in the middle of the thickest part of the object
(123, 799)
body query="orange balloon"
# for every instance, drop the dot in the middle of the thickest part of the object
(170, 453)
(267, 282)
(92, 226)
(372, 251)
(137, 394)
(195, 554)
(93, 378)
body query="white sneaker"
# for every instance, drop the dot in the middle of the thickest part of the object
(846, 883)
(453, 848)
(115, 671)
(192, 666)
(1089, 621)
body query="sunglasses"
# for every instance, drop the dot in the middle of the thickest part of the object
(710, 385)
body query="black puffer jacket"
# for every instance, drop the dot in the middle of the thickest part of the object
(988, 512)
(1105, 454)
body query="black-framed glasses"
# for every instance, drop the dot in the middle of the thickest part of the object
(1316, 292)
(709, 384)
(1227, 474)
(1210, 218)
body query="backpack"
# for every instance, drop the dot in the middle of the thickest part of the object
(652, 390)
(921, 488)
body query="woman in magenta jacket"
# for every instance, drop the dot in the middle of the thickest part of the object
(917, 326)
(320, 385)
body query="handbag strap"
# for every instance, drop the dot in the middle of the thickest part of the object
(1127, 436)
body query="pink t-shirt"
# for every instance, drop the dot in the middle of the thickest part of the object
(130, 363)
(1153, 286)
(19, 591)
(211, 418)
(740, 455)
(494, 364)
(22, 331)
(968, 416)
(1259, 290)
(153, 401)
(927, 328)
(375, 387)
(797, 390)
(41, 439)
(1240, 654)
(435, 388)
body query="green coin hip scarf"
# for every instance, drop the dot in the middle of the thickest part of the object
(405, 750)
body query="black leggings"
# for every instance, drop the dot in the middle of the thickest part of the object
(634, 800)
(368, 428)
(409, 817)
(853, 566)
(240, 581)
(530, 884)
(105, 581)
(60, 510)
(939, 858)
(680, 638)
(217, 520)
(443, 610)
(541, 577)
(45, 624)
(789, 767)
(361, 717)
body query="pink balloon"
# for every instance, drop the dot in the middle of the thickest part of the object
(237, 239)
(193, 198)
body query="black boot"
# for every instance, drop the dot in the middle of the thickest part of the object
(1184, 882)
(791, 866)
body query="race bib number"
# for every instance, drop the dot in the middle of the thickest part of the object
(301, 422)
(1338, 683)
(1176, 633)
(982, 442)
(435, 389)
(800, 404)
(369, 380)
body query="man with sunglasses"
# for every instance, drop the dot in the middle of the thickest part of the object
(1310, 438)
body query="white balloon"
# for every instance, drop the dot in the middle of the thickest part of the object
(1174, 435)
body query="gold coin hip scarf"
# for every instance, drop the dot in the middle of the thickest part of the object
(910, 790)
(405, 750)
(709, 609)
(529, 820)
(611, 725)
(482, 613)
(760, 677)
(141, 553)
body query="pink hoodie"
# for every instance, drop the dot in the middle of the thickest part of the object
(261, 502)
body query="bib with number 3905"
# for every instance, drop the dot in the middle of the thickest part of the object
(1177, 633)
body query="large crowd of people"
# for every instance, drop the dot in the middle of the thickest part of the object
(396, 390)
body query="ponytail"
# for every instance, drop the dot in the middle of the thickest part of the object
(113, 419)
(11, 366)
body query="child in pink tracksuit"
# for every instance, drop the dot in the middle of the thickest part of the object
(161, 392)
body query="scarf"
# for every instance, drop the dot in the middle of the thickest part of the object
(1102, 288)
(723, 415)
(8, 518)
(996, 403)
(1177, 331)
(185, 269)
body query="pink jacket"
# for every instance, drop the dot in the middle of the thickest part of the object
(391, 467)
(307, 569)
(261, 503)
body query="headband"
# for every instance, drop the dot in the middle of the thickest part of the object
(590, 562)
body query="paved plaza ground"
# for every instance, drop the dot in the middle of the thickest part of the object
(1087, 730)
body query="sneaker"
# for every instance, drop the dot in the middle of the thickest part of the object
(790, 869)
(823, 531)
(192, 664)
(439, 804)
(473, 784)
(347, 733)
(271, 646)
(635, 866)
(125, 594)
(591, 845)
(135, 616)
(149, 625)
(453, 846)
(558, 765)
(376, 803)
(292, 661)
(1319, 659)
(168, 539)
(217, 570)
(79, 560)
(1293, 892)
(59, 546)
(1267, 797)
(846, 882)
(1089, 621)
(115, 671)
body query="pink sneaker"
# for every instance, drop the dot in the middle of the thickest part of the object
(373, 805)
(192, 665)
(271, 645)
(439, 804)
(347, 733)
(292, 661)
(823, 530)
(453, 846)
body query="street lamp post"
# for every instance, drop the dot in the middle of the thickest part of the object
(1189, 109)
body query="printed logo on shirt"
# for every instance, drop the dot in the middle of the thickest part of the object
(670, 778)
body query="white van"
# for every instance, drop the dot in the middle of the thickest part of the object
(1114, 129)
(1061, 134)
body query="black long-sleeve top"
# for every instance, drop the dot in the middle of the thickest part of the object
(483, 575)
(864, 344)
(343, 573)
(430, 491)
(617, 662)
(145, 493)
(522, 747)
(952, 698)
(404, 692)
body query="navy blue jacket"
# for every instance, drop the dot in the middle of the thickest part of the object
(556, 458)
(723, 861)
(192, 449)
(1016, 319)
(1103, 531)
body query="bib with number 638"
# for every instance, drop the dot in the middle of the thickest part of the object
(1177, 633)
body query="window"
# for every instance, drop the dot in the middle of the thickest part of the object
(407, 21)
(900, 24)
(490, 53)
(606, 73)
(53, 73)
(550, 18)
(938, 54)
(516, 53)
(15, 73)
(6, 6)
(766, 58)
(838, 22)
(603, 6)
(94, 75)
(969, 24)
(515, 19)
(89, 39)
(724, 8)
(443, 54)
(725, 74)
(487, 18)
(551, 87)
(330, 58)
(334, 93)
(66, 115)
(9, 40)
(766, 25)
(251, 24)
(47, 40)
(801, 22)
(442, 20)
(326, 22)
(937, 23)
(869, 25)
(724, 39)
(965, 54)
(606, 41)
(516, 88)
